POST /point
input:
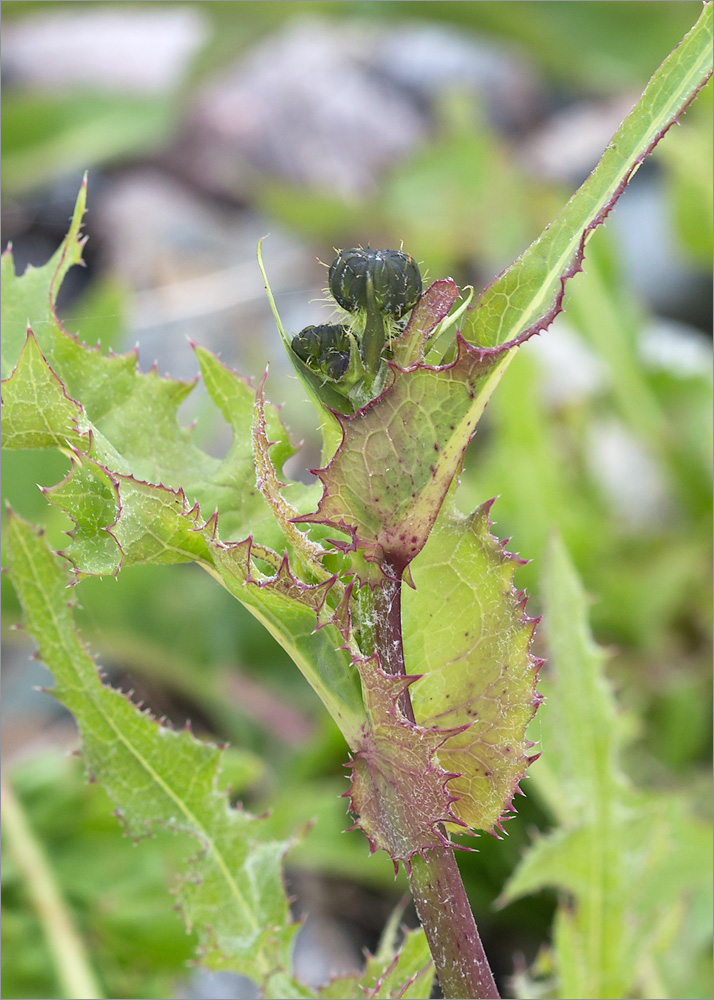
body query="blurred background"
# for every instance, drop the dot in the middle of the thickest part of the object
(457, 130)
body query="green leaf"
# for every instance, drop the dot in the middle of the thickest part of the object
(283, 987)
(132, 416)
(232, 488)
(321, 394)
(120, 521)
(300, 617)
(581, 731)
(74, 970)
(234, 896)
(309, 553)
(399, 455)
(579, 739)
(33, 390)
(466, 633)
(527, 296)
(116, 893)
(48, 136)
(433, 306)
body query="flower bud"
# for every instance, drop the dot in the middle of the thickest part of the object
(325, 348)
(395, 278)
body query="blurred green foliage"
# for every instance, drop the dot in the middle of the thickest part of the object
(116, 893)
(651, 581)
(47, 136)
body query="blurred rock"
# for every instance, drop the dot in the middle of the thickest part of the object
(111, 48)
(570, 371)
(303, 107)
(207, 985)
(570, 142)
(324, 949)
(653, 260)
(431, 59)
(629, 477)
(31, 719)
(676, 348)
(332, 104)
(192, 271)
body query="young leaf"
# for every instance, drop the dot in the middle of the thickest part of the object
(233, 489)
(33, 389)
(131, 416)
(235, 896)
(309, 553)
(147, 524)
(30, 299)
(433, 307)
(121, 520)
(298, 615)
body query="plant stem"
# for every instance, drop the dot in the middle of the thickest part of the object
(450, 928)
(373, 336)
(388, 636)
(435, 882)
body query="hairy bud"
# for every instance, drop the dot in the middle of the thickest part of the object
(395, 279)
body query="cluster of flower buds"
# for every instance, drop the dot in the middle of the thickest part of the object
(346, 361)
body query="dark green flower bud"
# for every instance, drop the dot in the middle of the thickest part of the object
(306, 344)
(396, 280)
(315, 341)
(335, 364)
(324, 348)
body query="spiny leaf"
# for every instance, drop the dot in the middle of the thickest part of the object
(433, 306)
(32, 391)
(406, 974)
(398, 789)
(300, 617)
(121, 521)
(465, 631)
(399, 455)
(132, 414)
(309, 553)
(235, 896)
(316, 391)
(232, 487)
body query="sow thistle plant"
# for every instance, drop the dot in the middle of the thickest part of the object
(399, 610)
